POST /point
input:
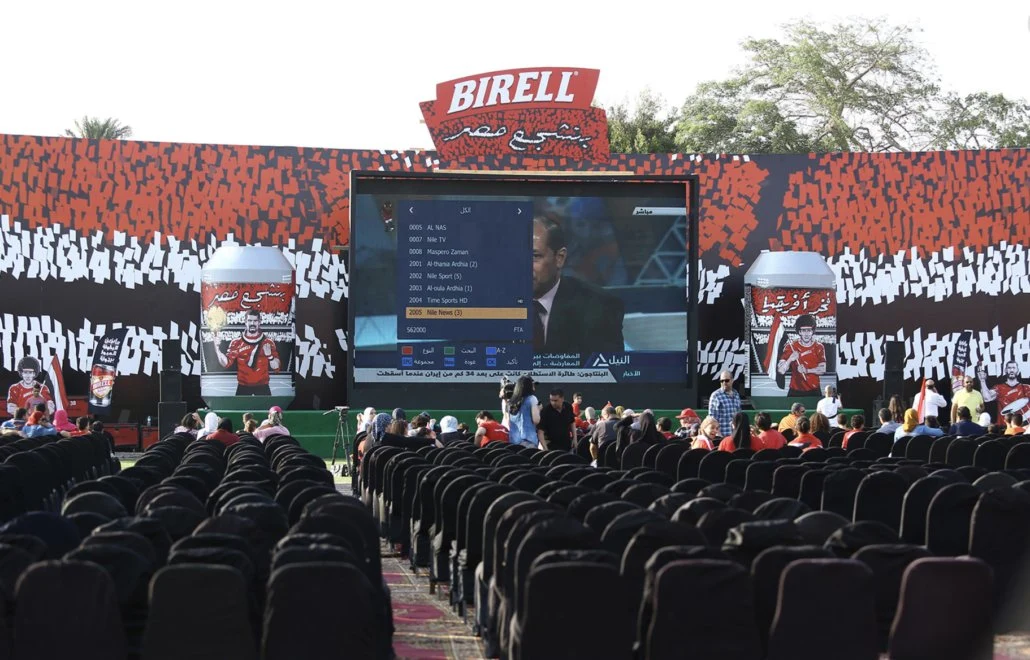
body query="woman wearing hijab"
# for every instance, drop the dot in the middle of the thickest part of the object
(649, 433)
(210, 425)
(273, 425)
(741, 438)
(908, 427)
(61, 422)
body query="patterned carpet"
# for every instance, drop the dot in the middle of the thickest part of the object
(425, 626)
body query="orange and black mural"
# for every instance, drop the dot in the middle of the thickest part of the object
(102, 234)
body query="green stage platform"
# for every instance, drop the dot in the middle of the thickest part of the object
(316, 430)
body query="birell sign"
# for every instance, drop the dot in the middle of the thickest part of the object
(528, 112)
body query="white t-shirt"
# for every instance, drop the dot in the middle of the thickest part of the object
(830, 408)
(934, 402)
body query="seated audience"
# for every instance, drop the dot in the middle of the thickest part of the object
(768, 437)
(742, 437)
(707, 435)
(1015, 427)
(648, 433)
(797, 410)
(37, 426)
(81, 426)
(18, 421)
(887, 424)
(841, 422)
(210, 425)
(908, 428)
(449, 433)
(189, 424)
(805, 439)
(98, 430)
(983, 417)
(665, 427)
(223, 433)
(689, 424)
(820, 425)
(857, 426)
(965, 425)
(930, 426)
(272, 426)
(61, 421)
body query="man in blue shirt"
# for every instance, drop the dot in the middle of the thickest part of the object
(965, 425)
(724, 403)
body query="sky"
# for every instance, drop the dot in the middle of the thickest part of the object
(351, 75)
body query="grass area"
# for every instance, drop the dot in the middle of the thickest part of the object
(129, 462)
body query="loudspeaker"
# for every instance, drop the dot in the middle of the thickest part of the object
(171, 355)
(171, 385)
(893, 369)
(169, 414)
(893, 356)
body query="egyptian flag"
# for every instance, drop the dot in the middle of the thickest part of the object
(777, 342)
(56, 379)
(922, 402)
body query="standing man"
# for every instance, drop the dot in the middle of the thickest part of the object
(1008, 392)
(253, 355)
(18, 394)
(724, 404)
(805, 358)
(557, 423)
(929, 401)
(967, 398)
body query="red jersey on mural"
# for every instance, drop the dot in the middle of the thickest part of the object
(253, 358)
(20, 396)
(804, 361)
(253, 355)
(1012, 395)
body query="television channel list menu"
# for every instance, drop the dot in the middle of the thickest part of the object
(464, 279)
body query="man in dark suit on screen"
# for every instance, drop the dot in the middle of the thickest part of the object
(571, 316)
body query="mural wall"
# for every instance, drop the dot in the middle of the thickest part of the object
(97, 235)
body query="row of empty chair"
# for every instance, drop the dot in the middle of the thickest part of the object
(485, 521)
(198, 551)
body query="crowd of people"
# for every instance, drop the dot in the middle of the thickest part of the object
(39, 422)
(527, 420)
(221, 429)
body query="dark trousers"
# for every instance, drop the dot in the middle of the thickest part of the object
(253, 390)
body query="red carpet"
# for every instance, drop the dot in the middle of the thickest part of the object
(425, 626)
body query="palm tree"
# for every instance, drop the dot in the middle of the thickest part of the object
(95, 128)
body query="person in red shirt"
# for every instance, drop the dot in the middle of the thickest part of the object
(224, 433)
(742, 437)
(805, 439)
(768, 437)
(857, 426)
(19, 394)
(489, 430)
(805, 358)
(253, 355)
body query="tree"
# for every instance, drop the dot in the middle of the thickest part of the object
(859, 86)
(647, 128)
(95, 128)
(981, 121)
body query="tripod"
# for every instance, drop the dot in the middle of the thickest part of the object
(342, 440)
